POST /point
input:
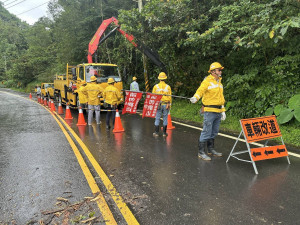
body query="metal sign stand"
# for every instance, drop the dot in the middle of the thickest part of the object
(233, 154)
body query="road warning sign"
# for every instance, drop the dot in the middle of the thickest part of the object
(260, 129)
(268, 152)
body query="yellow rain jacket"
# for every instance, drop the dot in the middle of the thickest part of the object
(82, 97)
(163, 88)
(111, 95)
(211, 92)
(92, 91)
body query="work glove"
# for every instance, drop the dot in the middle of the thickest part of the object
(193, 99)
(223, 116)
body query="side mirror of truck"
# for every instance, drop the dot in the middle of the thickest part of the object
(74, 73)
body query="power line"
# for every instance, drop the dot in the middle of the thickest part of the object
(10, 2)
(32, 8)
(16, 4)
(5, 1)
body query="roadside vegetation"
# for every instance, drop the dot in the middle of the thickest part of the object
(183, 110)
(257, 41)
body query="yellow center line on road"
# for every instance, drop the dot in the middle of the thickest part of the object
(103, 207)
(126, 212)
(106, 213)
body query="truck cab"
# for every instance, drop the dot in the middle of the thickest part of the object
(102, 71)
(47, 90)
(66, 85)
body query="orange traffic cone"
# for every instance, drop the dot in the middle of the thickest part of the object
(118, 124)
(30, 96)
(49, 103)
(52, 106)
(60, 109)
(81, 120)
(68, 113)
(170, 126)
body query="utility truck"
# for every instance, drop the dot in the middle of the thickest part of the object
(75, 76)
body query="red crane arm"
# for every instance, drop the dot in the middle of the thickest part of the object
(96, 40)
(93, 45)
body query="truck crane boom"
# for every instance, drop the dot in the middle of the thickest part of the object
(96, 41)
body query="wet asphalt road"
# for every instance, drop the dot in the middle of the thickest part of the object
(178, 188)
(164, 182)
(37, 164)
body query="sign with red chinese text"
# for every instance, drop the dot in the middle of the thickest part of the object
(131, 101)
(261, 128)
(268, 152)
(151, 105)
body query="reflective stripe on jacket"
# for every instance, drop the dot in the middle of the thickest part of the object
(111, 95)
(92, 91)
(211, 92)
(134, 86)
(163, 88)
(82, 97)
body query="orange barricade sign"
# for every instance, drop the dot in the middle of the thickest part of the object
(268, 152)
(260, 129)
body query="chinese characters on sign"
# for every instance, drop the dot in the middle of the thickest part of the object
(261, 128)
(151, 105)
(131, 102)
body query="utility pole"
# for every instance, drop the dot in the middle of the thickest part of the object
(146, 77)
(140, 2)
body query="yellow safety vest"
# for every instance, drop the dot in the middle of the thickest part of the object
(163, 88)
(93, 91)
(211, 92)
(111, 95)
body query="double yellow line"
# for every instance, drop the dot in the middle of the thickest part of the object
(103, 207)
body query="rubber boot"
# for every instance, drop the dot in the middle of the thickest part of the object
(155, 134)
(210, 148)
(201, 153)
(165, 134)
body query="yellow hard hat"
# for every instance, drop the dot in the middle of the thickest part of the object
(162, 76)
(93, 78)
(134, 78)
(110, 80)
(215, 65)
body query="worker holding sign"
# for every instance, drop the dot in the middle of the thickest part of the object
(211, 92)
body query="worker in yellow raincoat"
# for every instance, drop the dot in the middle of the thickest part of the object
(165, 103)
(112, 97)
(82, 98)
(211, 92)
(93, 91)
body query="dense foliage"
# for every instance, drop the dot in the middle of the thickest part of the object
(257, 41)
